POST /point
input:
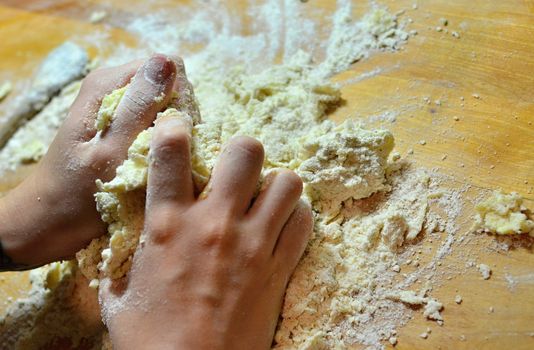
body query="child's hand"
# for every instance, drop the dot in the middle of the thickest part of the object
(213, 270)
(52, 214)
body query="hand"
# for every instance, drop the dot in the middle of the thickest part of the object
(211, 272)
(52, 214)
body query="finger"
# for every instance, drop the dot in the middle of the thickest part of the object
(169, 176)
(276, 202)
(236, 174)
(148, 93)
(294, 237)
(184, 99)
(98, 84)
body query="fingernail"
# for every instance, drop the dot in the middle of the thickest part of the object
(158, 69)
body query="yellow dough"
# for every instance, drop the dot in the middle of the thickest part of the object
(504, 214)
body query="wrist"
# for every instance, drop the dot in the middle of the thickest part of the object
(11, 242)
(22, 233)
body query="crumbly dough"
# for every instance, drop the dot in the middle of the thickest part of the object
(108, 107)
(345, 162)
(504, 214)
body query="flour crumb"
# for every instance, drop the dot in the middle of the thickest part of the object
(393, 340)
(424, 335)
(485, 271)
(432, 310)
(97, 16)
(458, 299)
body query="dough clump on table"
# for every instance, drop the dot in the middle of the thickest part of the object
(504, 214)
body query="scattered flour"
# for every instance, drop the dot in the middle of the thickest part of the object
(64, 65)
(431, 309)
(29, 143)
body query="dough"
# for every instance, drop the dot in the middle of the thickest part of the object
(504, 214)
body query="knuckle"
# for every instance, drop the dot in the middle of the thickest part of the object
(253, 259)
(96, 78)
(90, 81)
(98, 158)
(170, 139)
(95, 75)
(161, 225)
(217, 235)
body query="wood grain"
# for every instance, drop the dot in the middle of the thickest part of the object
(429, 86)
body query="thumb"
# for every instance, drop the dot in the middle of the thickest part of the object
(148, 93)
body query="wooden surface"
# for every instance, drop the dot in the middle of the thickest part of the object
(430, 82)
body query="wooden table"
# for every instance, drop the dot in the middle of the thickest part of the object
(470, 98)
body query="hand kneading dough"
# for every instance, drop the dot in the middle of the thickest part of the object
(335, 162)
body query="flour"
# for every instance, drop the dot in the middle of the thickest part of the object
(352, 41)
(30, 142)
(368, 210)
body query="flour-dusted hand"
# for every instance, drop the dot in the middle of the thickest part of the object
(211, 270)
(52, 214)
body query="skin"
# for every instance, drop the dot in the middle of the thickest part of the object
(52, 214)
(211, 270)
